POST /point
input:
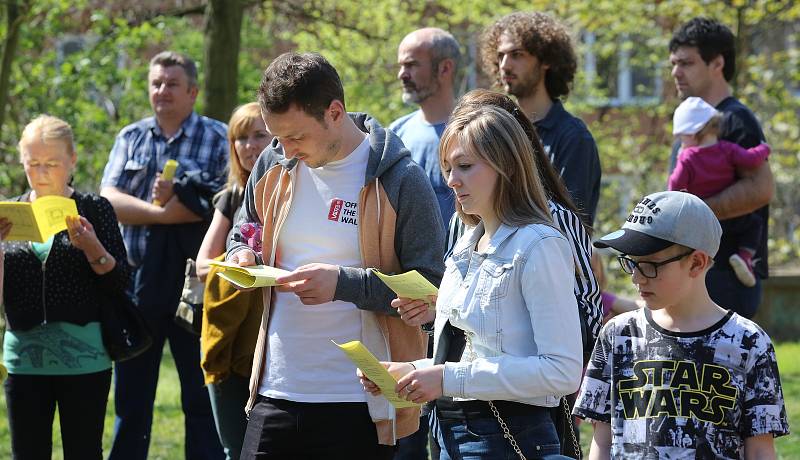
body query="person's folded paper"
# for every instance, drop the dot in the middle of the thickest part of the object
(409, 285)
(374, 370)
(249, 277)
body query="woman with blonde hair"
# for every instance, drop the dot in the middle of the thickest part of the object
(53, 293)
(506, 296)
(230, 317)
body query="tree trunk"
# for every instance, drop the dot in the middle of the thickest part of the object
(15, 13)
(223, 25)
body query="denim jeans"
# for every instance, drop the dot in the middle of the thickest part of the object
(415, 446)
(482, 438)
(728, 292)
(228, 399)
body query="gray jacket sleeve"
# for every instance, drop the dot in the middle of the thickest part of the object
(419, 241)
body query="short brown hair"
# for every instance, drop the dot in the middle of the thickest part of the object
(171, 58)
(306, 80)
(491, 134)
(543, 37)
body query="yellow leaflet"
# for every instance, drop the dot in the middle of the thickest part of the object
(40, 220)
(247, 277)
(410, 285)
(168, 173)
(373, 369)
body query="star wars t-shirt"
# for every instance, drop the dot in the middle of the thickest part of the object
(683, 395)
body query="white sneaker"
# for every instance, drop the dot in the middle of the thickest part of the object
(743, 271)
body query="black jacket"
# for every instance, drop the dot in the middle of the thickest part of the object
(73, 292)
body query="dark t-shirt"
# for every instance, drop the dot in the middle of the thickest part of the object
(228, 202)
(740, 126)
(573, 152)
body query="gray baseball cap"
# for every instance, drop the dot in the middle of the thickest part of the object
(662, 219)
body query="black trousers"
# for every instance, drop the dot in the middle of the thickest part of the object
(81, 402)
(281, 429)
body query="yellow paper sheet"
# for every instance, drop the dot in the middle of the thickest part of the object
(247, 277)
(410, 285)
(40, 220)
(373, 369)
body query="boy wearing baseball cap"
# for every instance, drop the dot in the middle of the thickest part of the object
(684, 377)
(707, 165)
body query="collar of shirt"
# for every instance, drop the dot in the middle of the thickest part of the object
(466, 244)
(552, 118)
(188, 127)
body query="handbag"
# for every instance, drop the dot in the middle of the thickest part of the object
(123, 328)
(189, 314)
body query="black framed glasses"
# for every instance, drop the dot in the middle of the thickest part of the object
(647, 269)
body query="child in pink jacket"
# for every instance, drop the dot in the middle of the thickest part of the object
(707, 165)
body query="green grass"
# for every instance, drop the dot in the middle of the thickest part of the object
(167, 437)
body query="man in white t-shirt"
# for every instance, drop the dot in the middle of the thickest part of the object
(337, 196)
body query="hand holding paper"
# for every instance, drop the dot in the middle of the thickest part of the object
(409, 285)
(37, 221)
(249, 277)
(374, 370)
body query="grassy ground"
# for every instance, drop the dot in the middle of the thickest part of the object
(167, 440)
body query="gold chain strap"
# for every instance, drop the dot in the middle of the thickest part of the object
(568, 415)
(506, 432)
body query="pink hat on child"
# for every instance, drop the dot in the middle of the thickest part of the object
(691, 116)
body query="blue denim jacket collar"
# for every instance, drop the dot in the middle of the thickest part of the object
(465, 245)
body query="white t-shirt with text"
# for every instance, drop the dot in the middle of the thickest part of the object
(321, 226)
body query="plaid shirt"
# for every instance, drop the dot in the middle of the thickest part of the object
(140, 152)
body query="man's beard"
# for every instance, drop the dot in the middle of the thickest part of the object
(524, 87)
(330, 152)
(413, 94)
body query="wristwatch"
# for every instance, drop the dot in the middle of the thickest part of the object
(100, 260)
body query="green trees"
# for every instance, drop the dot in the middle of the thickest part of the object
(86, 61)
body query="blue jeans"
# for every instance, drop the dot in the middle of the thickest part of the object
(135, 383)
(415, 446)
(228, 399)
(482, 438)
(728, 292)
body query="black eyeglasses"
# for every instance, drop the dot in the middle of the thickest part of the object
(647, 269)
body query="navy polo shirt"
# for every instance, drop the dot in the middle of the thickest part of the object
(573, 152)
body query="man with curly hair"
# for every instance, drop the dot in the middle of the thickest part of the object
(531, 56)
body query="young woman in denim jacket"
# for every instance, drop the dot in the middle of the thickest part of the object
(507, 291)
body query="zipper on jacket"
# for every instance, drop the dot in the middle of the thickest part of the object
(259, 360)
(44, 282)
